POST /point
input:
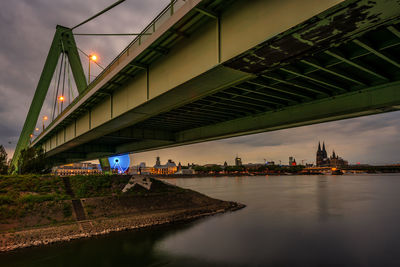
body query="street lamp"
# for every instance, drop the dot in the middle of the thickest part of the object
(45, 118)
(60, 100)
(94, 59)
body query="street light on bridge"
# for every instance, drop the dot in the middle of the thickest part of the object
(60, 100)
(94, 59)
(45, 118)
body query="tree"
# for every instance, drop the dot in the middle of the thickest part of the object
(3, 160)
(32, 161)
(215, 168)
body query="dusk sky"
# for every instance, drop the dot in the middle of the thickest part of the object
(27, 31)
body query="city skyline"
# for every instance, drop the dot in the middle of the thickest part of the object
(372, 139)
(369, 140)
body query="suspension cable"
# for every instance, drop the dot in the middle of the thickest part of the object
(98, 14)
(111, 34)
(54, 90)
(58, 85)
(65, 65)
(71, 92)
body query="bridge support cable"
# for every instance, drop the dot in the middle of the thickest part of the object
(70, 90)
(111, 34)
(55, 88)
(64, 72)
(58, 86)
(63, 43)
(99, 13)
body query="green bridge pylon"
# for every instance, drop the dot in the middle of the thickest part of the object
(63, 42)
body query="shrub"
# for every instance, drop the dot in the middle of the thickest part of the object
(30, 198)
(5, 199)
(67, 210)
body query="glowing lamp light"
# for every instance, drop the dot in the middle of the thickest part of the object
(36, 129)
(31, 135)
(334, 169)
(45, 118)
(93, 57)
(61, 98)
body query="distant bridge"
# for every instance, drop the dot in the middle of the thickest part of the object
(211, 69)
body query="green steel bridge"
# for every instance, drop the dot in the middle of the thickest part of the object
(211, 69)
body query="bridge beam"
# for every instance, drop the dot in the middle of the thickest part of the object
(377, 99)
(142, 146)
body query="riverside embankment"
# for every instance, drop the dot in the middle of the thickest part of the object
(39, 210)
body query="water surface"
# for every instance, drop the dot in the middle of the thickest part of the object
(349, 220)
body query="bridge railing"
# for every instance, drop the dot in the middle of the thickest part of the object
(163, 16)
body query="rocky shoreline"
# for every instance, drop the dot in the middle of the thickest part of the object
(94, 205)
(89, 228)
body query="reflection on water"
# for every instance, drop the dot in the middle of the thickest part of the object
(288, 221)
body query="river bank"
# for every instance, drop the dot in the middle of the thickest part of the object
(100, 212)
(90, 228)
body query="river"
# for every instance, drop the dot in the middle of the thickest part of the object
(349, 220)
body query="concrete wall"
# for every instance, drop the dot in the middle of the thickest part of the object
(60, 137)
(190, 58)
(82, 124)
(53, 141)
(70, 132)
(101, 112)
(131, 95)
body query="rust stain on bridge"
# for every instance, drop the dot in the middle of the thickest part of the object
(329, 29)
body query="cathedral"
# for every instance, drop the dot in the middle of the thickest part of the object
(332, 161)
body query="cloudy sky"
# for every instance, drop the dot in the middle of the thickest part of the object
(28, 27)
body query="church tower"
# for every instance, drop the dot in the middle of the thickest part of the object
(324, 153)
(320, 155)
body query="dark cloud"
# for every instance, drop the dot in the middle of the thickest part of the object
(27, 30)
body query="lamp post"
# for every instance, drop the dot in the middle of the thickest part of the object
(45, 118)
(91, 58)
(60, 100)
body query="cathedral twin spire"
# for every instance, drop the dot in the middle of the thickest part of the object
(323, 152)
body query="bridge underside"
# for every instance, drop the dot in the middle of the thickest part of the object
(327, 68)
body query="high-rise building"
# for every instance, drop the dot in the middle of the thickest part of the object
(238, 161)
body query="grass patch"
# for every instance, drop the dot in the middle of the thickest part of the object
(19, 194)
(97, 185)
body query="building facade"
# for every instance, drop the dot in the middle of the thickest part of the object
(292, 161)
(169, 168)
(322, 159)
(77, 169)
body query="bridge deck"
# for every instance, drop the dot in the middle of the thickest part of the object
(338, 64)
